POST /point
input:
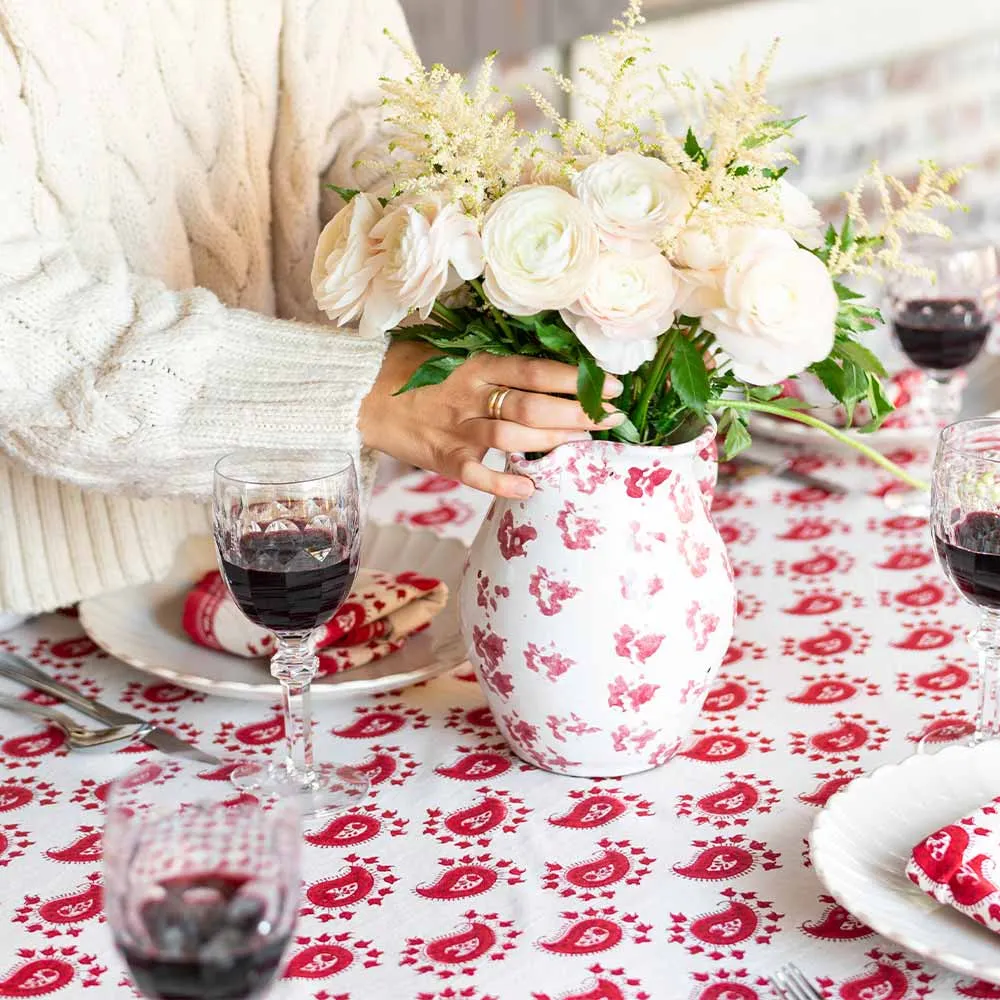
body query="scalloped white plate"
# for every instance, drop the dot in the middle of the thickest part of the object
(861, 842)
(142, 625)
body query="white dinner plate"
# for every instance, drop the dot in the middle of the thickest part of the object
(142, 625)
(862, 839)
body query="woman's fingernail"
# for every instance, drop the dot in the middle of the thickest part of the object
(612, 420)
(523, 488)
(579, 436)
(612, 387)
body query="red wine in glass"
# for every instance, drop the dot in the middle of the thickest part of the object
(971, 557)
(965, 525)
(289, 580)
(940, 335)
(209, 941)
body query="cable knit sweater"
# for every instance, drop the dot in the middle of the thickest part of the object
(161, 172)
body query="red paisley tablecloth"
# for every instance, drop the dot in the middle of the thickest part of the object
(470, 876)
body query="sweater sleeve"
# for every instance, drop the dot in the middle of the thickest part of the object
(111, 381)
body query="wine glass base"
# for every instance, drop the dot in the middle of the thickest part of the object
(956, 735)
(326, 790)
(914, 503)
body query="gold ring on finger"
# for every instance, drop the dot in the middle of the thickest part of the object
(495, 405)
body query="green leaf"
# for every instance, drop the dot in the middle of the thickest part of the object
(784, 124)
(770, 131)
(693, 149)
(831, 375)
(482, 328)
(689, 376)
(789, 403)
(475, 338)
(469, 341)
(525, 322)
(846, 233)
(346, 193)
(871, 312)
(774, 175)
(855, 388)
(432, 372)
(878, 403)
(417, 331)
(849, 322)
(765, 393)
(558, 340)
(861, 356)
(843, 292)
(590, 388)
(626, 432)
(830, 237)
(737, 439)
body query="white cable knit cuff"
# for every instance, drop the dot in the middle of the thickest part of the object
(279, 384)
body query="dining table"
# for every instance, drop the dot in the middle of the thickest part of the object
(470, 875)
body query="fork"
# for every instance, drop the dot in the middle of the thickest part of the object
(77, 736)
(789, 983)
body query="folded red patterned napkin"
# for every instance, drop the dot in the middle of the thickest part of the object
(380, 614)
(955, 865)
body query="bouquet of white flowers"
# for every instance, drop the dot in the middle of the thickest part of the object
(682, 261)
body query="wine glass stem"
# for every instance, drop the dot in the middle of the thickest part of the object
(294, 665)
(986, 639)
(942, 400)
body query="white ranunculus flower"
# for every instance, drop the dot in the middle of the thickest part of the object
(344, 265)
(542, 171)
(700, 248)
(628, 303)
(779, 308)
(701, 254)
(541, 247)
(634, 199)
(698, 292)
(424, 248)
(800, 214)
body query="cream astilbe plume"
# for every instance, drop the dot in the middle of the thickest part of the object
(903, 211)
(733, 154)
(448, 138)
(619, 92)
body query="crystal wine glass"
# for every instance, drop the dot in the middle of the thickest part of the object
(965, 522)
(288, 534)
(201, 883)
(941, 319)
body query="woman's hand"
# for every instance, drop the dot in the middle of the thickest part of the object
(447, 428)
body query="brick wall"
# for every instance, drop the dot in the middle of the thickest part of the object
(879, 79)
(941, 104)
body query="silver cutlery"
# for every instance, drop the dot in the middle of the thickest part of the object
(77, 736)
(16, 668)
(745, 468)
(789, 983)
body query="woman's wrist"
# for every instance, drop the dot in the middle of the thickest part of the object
(375, 416)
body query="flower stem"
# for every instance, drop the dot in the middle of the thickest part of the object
(448, 317)
(806, 418)
(501, 320)
(654, 381)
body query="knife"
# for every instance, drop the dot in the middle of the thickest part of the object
(749, 467)
(16, 668)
